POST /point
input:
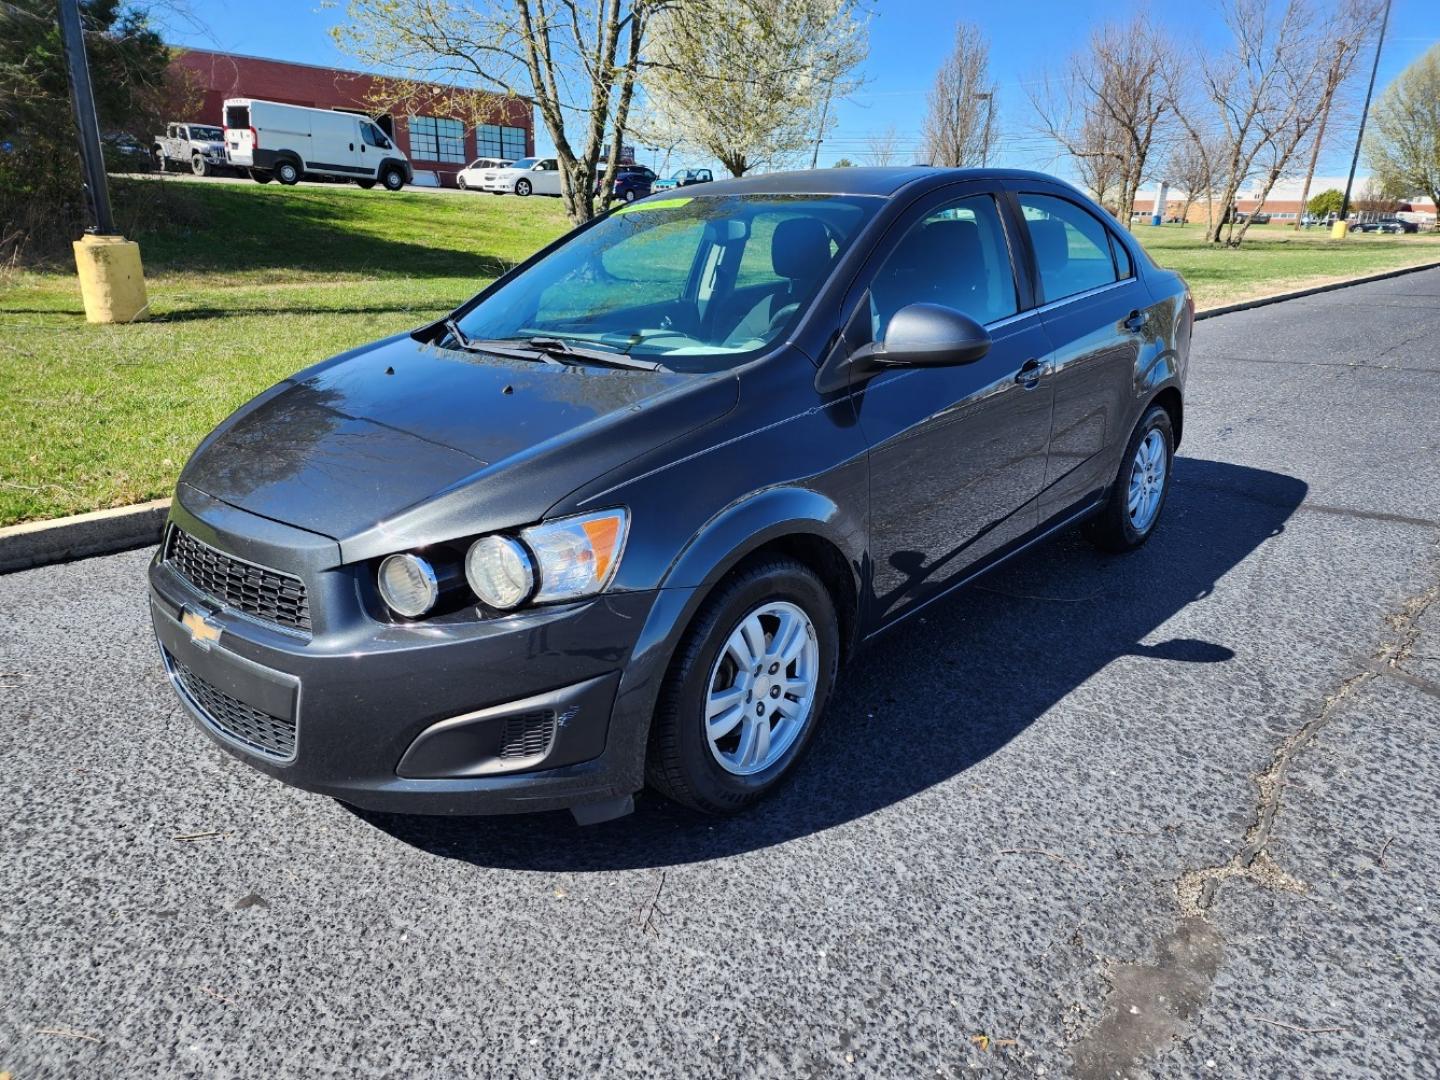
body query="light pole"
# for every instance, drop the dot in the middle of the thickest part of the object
(112, 282)
(1341, 228)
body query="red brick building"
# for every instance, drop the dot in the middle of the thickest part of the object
(440, 129)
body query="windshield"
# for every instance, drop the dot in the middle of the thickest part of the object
(525, 163)
(694, 283)
(211, 134)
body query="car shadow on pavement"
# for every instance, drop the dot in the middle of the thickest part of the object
(940, 693)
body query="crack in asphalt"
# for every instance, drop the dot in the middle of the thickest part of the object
(1154, 1004)
(1196, 889)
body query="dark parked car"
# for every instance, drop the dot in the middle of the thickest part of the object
(624, 514)
(631, 182)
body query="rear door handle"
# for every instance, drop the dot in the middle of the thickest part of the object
(1030, 373)
(1135, 321)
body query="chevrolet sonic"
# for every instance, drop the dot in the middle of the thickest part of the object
(622, 516)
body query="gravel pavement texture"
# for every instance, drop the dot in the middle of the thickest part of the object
(1171, 814)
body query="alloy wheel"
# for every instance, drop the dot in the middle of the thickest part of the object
(762, 688)
(1147, 480)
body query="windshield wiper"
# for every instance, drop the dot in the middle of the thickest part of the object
(504, 347)
(559, 347)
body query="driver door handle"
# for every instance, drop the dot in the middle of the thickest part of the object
(1135, 321)
(1030, 374)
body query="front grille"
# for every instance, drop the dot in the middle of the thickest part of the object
(528, 734)
(255, 590)
(259, 731)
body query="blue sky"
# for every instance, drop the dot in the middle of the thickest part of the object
(908, 40)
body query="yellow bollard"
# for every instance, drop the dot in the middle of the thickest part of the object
(112, 281)
(1339, 230)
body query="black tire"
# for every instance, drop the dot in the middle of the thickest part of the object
(392, 177)
(159, 160)
(629, 195)
(460, 183)
(1113, 529)
(260, 176)
(522, 188)
(680, 763)
(287, 172)
(199, 166)
(366, 184)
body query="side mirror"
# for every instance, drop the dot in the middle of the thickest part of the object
(919, 335)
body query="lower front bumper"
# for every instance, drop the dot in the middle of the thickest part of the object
(420, 720)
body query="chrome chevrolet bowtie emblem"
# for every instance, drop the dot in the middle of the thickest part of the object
(203, 632)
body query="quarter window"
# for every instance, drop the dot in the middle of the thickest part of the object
(497, 141)
(956, 256)
(437, 139)
(1072, 248)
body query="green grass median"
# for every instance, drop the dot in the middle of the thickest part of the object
(249, 284)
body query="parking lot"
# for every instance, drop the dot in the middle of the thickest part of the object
(1171, 814)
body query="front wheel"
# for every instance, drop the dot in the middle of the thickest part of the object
(199, 166)
(460, 183)
(747, 688)
(159, 160)
(522, 187)
(392, 178)
(1138, 495)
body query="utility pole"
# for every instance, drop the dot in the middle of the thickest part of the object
(1341, 228)
(824, 115)
(82, 100)
(112, 282)
(1332, 86)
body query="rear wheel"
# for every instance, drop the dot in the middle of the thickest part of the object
(159, 159)
(366, 184)
(747, 688)
(1138, 495)
(260, 176)
(287, 172)
(629, 195)
(392, 178)
(522, 187)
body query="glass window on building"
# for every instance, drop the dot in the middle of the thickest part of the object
(436, 139)
(496, 141)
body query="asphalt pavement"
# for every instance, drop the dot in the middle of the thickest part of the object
(1166, 815)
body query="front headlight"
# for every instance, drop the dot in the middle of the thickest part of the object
(408, 584)
(577, 556)
(500, 571)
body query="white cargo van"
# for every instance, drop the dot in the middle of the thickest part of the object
(286, 142)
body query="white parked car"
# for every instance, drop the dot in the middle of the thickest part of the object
(472, 177)
(285, 142)
(528, 176)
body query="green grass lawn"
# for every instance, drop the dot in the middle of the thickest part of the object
(249, 284)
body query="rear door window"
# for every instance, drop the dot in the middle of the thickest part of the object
(1073, 248)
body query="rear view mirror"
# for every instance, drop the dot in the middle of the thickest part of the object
(919, 335)
(931, 335)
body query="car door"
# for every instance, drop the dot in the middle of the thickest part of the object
(1095, 310)
(957, 457)
(546, 177)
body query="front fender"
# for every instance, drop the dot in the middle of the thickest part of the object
(751, 523)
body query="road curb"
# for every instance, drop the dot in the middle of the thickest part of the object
(104, 532)
(101, 532)
(1280, 298)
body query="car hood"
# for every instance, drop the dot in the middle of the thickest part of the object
(400, 444)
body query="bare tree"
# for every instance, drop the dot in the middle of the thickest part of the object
(575, 61)
(961, 102)
(1404, 144)
(747, 81)
(1190, 166)
(1107, 108)
(884, 146)
(1267, 92)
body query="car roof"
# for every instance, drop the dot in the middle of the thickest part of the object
(861, 180)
